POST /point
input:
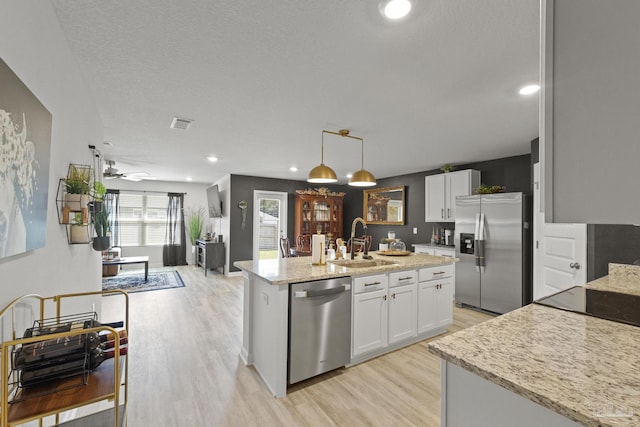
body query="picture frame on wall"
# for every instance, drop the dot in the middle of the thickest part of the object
(25, 145)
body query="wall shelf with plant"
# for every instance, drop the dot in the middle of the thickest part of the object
(73, 200)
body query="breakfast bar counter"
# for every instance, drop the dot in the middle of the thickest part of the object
(299, 269)
(266, 301)
(540, 365)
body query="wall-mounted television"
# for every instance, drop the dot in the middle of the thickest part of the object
(214, 202)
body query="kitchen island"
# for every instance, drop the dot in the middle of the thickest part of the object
(539, 365)
(266, 303)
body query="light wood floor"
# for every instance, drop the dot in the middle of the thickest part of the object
(185, 369)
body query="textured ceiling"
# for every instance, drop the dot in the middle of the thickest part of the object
(261, 79)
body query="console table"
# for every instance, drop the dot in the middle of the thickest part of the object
(130, 260)
(210, 255)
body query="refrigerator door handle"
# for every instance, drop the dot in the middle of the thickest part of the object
(481, 240)
(477, 242)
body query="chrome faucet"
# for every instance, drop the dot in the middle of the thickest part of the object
(353, 235)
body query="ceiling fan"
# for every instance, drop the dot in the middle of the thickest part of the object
(111, 172)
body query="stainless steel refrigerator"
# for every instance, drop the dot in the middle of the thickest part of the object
(493, 244)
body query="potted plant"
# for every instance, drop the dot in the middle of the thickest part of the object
(78, 231)
(102, 241)
(195, 222)
(77, 187)
(97, 193)
(384, 243)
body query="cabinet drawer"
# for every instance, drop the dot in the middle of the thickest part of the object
(370, 283)
(401, 278)
(445, 252)
(425, 250)
(437, 272)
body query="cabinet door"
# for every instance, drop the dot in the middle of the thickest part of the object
(427, 308)
(403, 317)
(461, 183)
(369, 321)
(444, 303)
(434, 198)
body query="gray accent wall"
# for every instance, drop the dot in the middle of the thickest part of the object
(611, 243)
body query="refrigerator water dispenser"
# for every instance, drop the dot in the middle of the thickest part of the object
(466, 243)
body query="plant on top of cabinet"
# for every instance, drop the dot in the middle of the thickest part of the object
(487, 189)
(446, 168)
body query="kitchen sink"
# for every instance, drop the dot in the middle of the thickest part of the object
(361, 263)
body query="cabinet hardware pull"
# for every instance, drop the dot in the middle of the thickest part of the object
(448, 212)
(406, 278)
(442, 213)
(372, 284)
(438, 272)
(384, 297)
(393, 296)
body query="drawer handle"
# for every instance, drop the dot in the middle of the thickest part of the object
(372, 284)
(438, 272)
(406, 278)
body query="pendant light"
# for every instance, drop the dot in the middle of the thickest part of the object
(322, 174)
(362, 178)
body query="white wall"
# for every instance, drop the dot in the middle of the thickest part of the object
(195, 198)
(34, 47)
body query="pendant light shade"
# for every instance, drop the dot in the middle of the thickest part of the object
(362, 178)
(322, 174)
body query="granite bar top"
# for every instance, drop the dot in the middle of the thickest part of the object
(582, 367)
(299, 269)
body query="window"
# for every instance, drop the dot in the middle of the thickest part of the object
(143, 219)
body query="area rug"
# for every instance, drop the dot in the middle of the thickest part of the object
(134, 282)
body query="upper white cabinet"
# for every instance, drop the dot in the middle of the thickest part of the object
(441, 191)
(590, 104)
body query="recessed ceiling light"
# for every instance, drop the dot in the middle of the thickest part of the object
(396, 9)
(189, 178)
(293, 169)
(529, 89)
(212, 159)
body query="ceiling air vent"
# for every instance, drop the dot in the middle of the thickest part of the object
(182, 124)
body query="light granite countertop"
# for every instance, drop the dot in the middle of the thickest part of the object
(584, 368)
(299, 269)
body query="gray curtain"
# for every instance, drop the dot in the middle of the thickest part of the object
(112, 201)
(174, 251)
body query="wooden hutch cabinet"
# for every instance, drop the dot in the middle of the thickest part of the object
(318, 210)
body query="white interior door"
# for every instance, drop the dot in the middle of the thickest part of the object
(559, 252)
(269, 223)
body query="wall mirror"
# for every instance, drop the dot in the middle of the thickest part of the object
(384, 205)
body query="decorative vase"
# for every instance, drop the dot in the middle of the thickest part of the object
(76, 202)
(79, 234)
(101, 243)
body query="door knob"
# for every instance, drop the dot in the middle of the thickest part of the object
(575, 265)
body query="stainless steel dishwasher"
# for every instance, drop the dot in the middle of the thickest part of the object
(319, 327)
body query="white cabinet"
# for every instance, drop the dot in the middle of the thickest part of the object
(429, 250)
(435, 305)
(449, 252)
(441, 191)
(369, 311)
(403, 305)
